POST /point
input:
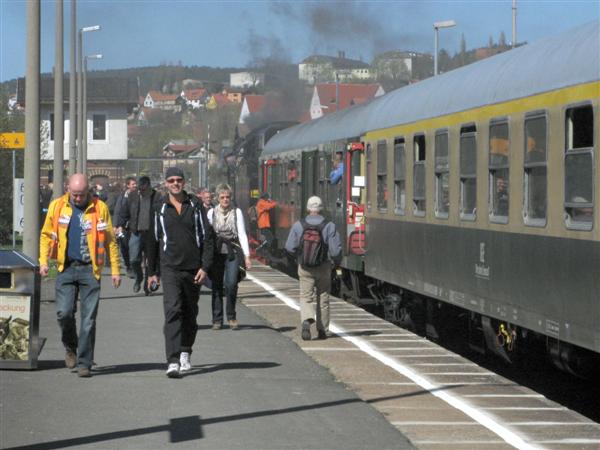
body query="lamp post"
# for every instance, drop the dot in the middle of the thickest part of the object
(436, 27)
(81, 157)
(84, 137)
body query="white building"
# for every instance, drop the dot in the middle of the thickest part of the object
(322, 68)
(246, 80)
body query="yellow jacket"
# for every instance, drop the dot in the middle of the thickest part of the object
(100, 236)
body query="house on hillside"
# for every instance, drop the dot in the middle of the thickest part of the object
(252, 104)
(217, 101)
(330, 97)
(246, 80)
(109, 102)
(194, 98)
(158, 100)
(180, 148)
(322, 68)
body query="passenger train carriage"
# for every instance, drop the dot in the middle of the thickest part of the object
(473, 191)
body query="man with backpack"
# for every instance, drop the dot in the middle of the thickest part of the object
(317, 245)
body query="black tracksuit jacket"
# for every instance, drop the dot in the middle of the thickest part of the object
(186, 241)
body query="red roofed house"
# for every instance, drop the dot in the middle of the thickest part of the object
(167, 102)
(217, 100)
(251, 105)
(179, 147)
(194, 98)
(325, 96)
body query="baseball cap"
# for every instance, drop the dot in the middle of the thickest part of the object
(174, 172)
(314, 204)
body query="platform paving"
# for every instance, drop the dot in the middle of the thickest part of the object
(253, 389)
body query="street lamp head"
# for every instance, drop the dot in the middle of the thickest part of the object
(95, 56)
(444, 24)
(92, 28)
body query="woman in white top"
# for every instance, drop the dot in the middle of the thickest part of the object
(230, 249)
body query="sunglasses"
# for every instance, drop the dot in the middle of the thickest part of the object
(174, 180)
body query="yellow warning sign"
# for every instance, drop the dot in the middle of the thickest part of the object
(12, 140)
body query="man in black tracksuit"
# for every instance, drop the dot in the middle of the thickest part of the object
(186, 242)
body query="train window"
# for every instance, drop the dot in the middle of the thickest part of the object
(399, 176)
(468, 173)
(369, 163)
(535, 179)
(442, 167)
(382, 189)
(579, 167)
(419, 202)
(499, 161)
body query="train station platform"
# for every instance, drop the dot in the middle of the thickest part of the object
(252, 388)
(371, 385)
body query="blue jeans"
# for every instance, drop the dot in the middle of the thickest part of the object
(224, 281)
(78, 279)
(136, 246)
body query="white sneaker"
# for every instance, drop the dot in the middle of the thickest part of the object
(185, 362)
(173, 371)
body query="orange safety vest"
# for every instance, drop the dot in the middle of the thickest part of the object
(99, 237)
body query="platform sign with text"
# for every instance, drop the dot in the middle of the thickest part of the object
(18, 204)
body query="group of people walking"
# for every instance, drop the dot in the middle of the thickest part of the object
(186, 243)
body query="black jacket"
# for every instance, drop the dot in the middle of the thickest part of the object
(186, 241)
(130, 209)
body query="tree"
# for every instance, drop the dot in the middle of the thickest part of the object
(490, 42)
(502, 41)
(462, 57)
(391, 70)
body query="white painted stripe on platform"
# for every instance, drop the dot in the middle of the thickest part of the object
(377, 341)
(450, 443)
(416, 348)
(382, 383)
(508, 435)
(392, 335)
(331, 349)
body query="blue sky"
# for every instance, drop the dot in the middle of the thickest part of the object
(138, 33)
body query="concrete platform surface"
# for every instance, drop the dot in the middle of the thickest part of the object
(253, 389)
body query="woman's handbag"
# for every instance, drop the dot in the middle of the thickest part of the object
(241, 259)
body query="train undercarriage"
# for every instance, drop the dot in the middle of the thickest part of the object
(445, 323)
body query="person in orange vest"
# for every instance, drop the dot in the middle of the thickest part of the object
(263, 211)
(76, 233)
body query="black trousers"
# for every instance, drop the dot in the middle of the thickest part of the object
(180, 301)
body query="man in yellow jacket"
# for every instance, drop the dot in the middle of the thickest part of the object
(77, 231)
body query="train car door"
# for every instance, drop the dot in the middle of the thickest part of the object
(309, 176)
(355, 183)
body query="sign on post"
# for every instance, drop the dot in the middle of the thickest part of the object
(12, 140)
(18, 204)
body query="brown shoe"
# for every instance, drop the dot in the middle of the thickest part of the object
(70, 359)
(84, 372)
(216, 326)
(233, 324)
